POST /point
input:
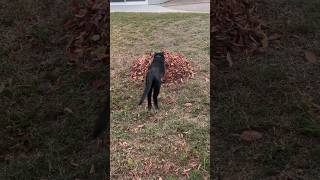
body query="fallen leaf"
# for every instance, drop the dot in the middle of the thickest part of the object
(186, 172)
(98, 83)
(274, 36)
(295, 36)
(135, 130)
(141, 126)
(188, 104)
(95, 37)
(130, 162)
(75, 6)
(10, 82)
(74, 164)
(193, 164)
(92, 170)
(310, 56)
(68, 110)
(265, 41)
(123, 144)
(316, 106)
(250, 135)
(229, 59)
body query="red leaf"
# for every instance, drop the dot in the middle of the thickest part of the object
(274, 36)
(310, 56)
(75, 6)
(98, 83)
(250, 135)
(188, 104)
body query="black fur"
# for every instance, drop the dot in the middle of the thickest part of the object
(155, 72)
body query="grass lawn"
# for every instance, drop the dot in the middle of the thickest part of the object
(48, 107)
(278, 94)
(175, 139)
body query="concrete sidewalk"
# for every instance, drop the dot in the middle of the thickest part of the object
(199, 6)
(184, 2)
(182, 6)
(142, 8)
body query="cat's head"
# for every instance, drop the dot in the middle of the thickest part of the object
(159, 55)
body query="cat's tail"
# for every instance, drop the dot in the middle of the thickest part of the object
(147, 88)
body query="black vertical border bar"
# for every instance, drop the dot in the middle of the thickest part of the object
(107, 65)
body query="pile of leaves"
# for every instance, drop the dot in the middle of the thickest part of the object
(236, 28)
(177, 66)
(89, 31)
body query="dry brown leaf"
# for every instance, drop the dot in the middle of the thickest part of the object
(92, 169)
(123, 144)
(274, 36)
(295, 36)
(316, 106)
(95, 37)
(310, 56)
(188, 104)
(229, 59)
(250, 135)
(74, 164)
(99, 83)
(68, 110)
(186, 172)
(265, 41)
(141, 126)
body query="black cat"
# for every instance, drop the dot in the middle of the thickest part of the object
(155, 72)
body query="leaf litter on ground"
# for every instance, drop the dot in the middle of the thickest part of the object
(250, 135)
(236, 28)
(310, 56)
(178, 68)
(88, 31)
